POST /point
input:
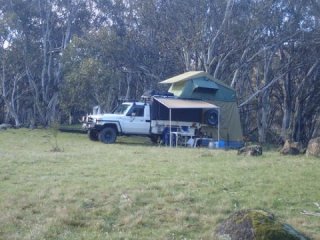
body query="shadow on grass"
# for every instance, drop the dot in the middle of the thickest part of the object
(135, 141)
(72, 129)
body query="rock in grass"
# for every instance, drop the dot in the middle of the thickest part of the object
(314, 147)
(256, 225)
(252, 150)
(290, 148)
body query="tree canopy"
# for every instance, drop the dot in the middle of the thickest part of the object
(61, 57)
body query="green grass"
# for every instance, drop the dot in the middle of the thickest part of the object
(134, 190)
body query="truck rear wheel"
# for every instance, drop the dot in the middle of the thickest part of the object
(93, 135)
(155, 138)
(108, 135)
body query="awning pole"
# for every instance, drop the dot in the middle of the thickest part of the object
(170, 127)
(218, 125)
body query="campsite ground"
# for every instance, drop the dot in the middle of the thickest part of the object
(135, 190)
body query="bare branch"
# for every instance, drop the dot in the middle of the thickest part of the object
(262, 90)
(214, 39)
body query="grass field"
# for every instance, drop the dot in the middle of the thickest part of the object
(134, 190)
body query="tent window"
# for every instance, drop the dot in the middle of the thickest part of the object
(204, 86)
(204, 90)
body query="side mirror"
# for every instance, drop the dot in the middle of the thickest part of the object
(133, 114)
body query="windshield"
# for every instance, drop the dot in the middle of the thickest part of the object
(121, 109)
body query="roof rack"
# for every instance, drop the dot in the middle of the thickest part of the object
(147, 95)
(124, 99)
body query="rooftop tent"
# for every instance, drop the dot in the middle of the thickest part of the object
(202, 86)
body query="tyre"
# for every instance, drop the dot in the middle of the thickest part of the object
(212, 117)
(154, 138)
(108, 135)
(93, 135)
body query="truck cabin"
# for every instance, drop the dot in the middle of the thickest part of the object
(136, 109)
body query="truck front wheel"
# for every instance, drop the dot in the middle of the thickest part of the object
(108, 135)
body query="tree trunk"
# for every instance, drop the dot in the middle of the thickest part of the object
(265, 101)
(129, 83)
(287, 108)
(9, 96)
(210, 56)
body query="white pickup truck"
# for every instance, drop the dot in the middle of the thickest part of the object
(150, 119)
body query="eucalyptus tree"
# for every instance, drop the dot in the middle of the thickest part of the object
(59, 20)
(13, 26)
(282, 69)
(125, 44)
(39, 33)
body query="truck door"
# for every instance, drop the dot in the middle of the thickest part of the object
(137, 120)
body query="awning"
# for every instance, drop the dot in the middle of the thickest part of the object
(173, 103)
(206, 84)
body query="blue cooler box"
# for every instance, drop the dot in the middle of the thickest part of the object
(220, 144)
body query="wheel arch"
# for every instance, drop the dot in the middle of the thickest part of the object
(116, 127)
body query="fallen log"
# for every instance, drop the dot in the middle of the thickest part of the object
(316, 214)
